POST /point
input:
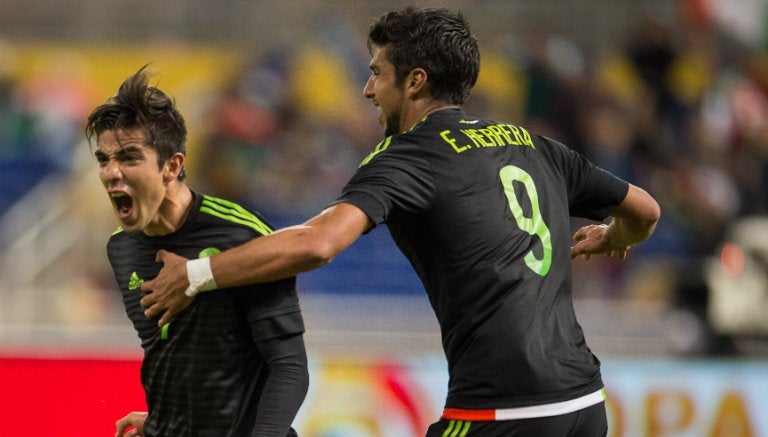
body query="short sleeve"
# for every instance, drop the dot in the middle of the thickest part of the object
(271, 309)
(593, 193)
(398, 178)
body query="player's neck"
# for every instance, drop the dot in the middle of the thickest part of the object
(173, 212)
(422, 108)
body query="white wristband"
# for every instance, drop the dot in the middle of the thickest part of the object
(200, 276)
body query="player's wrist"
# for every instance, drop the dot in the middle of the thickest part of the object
(200, 276)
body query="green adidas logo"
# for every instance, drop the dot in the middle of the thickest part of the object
(134, 282)
(208, 251)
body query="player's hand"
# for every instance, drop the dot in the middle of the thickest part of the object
(592, 239)
(133, 422)
(165, 294)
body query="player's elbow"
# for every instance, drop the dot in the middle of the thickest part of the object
(640, 210)
(318, 251)
(648, 217)
(326, 235)
(643, 222)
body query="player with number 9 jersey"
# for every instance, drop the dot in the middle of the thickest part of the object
(482, 211)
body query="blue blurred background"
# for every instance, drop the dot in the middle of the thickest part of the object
(671, 95)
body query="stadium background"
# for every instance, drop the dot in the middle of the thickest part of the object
(670, 94)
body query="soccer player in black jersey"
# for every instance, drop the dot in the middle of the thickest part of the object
(482, 210)
(233, 364)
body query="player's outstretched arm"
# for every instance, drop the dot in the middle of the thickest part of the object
(281, 254)
(633, 221)
(133, 420)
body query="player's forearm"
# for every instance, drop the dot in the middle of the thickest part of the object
(282, 254)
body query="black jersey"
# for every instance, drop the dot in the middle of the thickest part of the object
(202, 373)
(482, 211)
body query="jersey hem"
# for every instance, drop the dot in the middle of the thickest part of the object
(529, 412)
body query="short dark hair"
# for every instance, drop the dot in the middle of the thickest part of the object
(139, 105)
(436, 40)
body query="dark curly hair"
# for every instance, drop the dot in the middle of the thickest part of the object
(139, 105)
(436, 40)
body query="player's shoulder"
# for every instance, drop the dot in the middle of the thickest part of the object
(123, 246)
(118, 235)
(555, 148)
(231, 213)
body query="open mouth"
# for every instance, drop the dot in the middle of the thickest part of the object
(123, 204)
(380, 116)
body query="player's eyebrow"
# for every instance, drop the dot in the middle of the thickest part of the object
(122, 152)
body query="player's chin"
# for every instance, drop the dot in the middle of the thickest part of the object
(130, 225)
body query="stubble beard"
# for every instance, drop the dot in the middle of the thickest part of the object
(392, 124)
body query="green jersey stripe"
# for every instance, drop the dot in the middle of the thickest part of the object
(230, 207)
(233, 212)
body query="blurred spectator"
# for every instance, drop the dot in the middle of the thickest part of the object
(248, 119)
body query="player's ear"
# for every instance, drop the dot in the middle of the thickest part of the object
(173, 166)
(416, 81)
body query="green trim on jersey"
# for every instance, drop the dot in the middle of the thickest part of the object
(233, 212)
(118, 230)
(382, 146)
(457, 428)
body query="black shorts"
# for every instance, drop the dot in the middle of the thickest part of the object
(589, 422)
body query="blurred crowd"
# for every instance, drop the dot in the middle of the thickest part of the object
(40, 120)
(679, 110)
